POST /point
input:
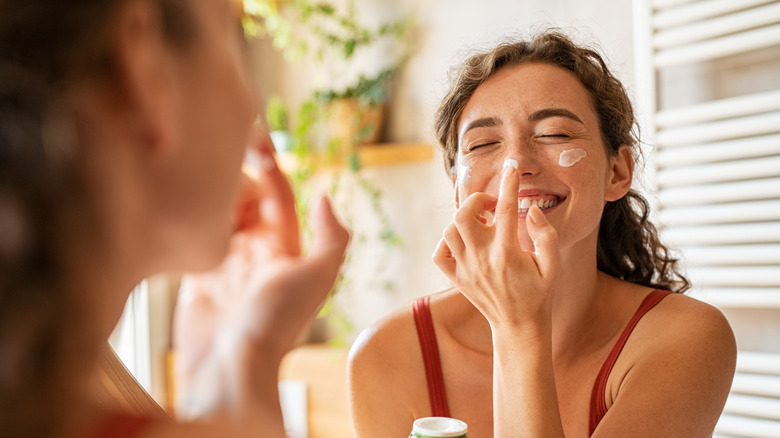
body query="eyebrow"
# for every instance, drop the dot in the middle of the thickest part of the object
(553, 112)
(485, 122)
(488, 122)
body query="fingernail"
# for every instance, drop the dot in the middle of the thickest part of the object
(535, 213)
(510, 166)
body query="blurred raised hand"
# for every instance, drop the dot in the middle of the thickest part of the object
(234, 324)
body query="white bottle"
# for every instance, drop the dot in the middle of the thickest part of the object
(438, 427)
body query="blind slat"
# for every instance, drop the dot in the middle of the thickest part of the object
(732, 255)
(738, 298)
(720, 109)
(743, 148)
(730, 425)
(700, 10)
(759, 211)
(724, 234)
(765, 167)
(719, 193)
(758, 362)
(716, 27)
(763, 407)
(664, 4)
(731, 276)
(758, 385)
(723, 130)
(719, 47)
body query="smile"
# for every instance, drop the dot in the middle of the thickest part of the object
(543, 202)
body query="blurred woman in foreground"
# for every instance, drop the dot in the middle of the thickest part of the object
(123, 127)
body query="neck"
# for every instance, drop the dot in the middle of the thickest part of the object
(580, 301)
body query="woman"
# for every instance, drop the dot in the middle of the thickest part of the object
(123, 127)
(552, 257)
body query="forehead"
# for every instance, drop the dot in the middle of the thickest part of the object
(523, 89)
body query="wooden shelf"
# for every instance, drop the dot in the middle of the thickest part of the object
(394, 153)
(373, 155)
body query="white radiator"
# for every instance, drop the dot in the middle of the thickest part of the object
(708, 93)
(753, 406)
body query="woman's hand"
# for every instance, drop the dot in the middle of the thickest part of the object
(507, 285)
(513, 289)
(234, 324)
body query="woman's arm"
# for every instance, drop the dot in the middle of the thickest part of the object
(674, 375)
(235, 324)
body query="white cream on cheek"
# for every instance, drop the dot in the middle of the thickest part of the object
(464, 172)
(570, 157)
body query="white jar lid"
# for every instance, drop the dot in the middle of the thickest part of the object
(440, 427)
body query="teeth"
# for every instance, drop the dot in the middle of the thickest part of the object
(526, 203)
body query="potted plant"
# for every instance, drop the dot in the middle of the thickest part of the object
(356, 114)
(334, 37)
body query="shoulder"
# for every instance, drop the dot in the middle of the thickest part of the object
(687, 329)
(681, 319)
(386, 377)
(677, 365)
(392, 343)
(391, 337)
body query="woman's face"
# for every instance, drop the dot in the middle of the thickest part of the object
(217, 111)
(540, 116)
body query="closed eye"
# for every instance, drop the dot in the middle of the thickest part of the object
(555, 135)
(481, 145)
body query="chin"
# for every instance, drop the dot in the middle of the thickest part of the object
(205, 255)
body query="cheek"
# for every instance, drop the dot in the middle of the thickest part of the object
(475, 176)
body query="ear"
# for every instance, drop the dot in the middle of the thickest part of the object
(620, 175)
(144, 72)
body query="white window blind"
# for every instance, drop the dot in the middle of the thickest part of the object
(708, 88)
(710, 98)
(131, 337)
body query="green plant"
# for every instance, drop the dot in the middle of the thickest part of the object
(369, 90)
(299, 27)
(276, 114)
(332, 37)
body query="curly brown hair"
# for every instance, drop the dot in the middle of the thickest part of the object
(46, 48)
(628, 245)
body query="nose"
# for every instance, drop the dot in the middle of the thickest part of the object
(527, 157)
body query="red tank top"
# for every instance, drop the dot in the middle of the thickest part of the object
(433, 369)
(123, 425)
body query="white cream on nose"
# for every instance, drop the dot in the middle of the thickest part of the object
(570, 157)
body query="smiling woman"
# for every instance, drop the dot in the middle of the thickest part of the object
(562, 321)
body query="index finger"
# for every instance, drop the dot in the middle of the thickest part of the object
(276, 200)
(506, 208)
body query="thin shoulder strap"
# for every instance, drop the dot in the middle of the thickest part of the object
(430, 353)
(598, 404)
